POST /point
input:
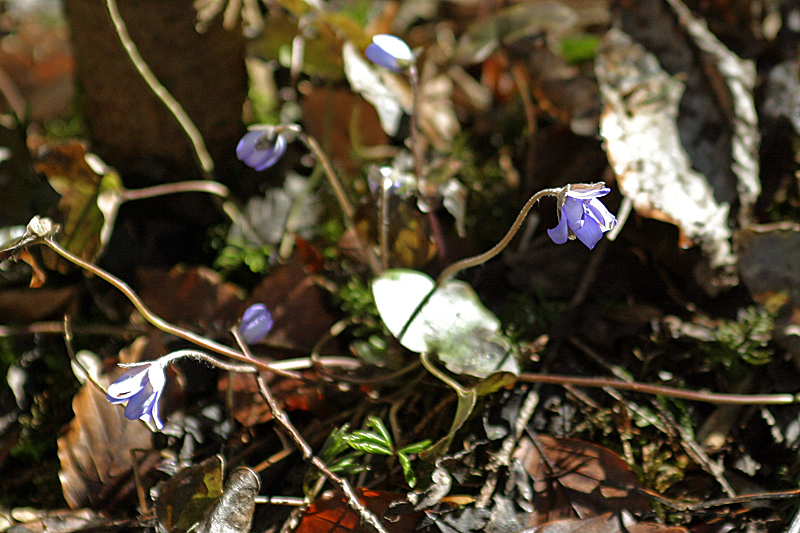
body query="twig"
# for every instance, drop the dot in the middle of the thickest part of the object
(367, 518)
(658, 390)
(174, 107)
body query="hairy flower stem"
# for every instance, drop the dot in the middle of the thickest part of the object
(658, 390)
(211, 187)
(279, 368)
(476, 260)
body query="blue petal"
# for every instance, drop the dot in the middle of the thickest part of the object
(601, 214)
(560, 234)
(128, 384)
(573, 210)
(154, 411)
(256, 323)
(381, 57)
(247, 144)
(272, 154)
(140, 403)
(589, 234)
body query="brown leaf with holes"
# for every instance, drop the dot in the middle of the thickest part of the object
(578, 478)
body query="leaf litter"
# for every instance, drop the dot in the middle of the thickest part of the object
(510, 102)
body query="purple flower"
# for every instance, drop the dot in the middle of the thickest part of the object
(256, 323)
(583, 216)
(141, 386)
(390, 52)
(256, 152)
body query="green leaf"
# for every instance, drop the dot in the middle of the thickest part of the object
(405, 462)
(467, 398)
(450, 321)
(415, 448)
(377, 424)
(368, 442)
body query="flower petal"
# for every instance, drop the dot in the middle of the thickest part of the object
(585, 194)
(154, 411)
(573, 210)
(389, 52)
(140, 403)
(128, 384)
(560, 234)
(256, 323)
(601, 214)
(589, 233)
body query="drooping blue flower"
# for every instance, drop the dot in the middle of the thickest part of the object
(141, 386)
(390, 52)
(257, 152)
(583, 216)
(256, 323)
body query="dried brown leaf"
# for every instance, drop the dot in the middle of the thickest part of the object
(95, 451)
(578, 477)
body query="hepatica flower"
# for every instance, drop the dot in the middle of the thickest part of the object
(389, 52)
(256, 151)
(141, 386)
(256, 323)
(583, 216)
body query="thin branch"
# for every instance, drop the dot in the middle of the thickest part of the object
(368, 519)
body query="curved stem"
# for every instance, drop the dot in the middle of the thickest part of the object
(174, 107)
(211, 187)
(162, 324)
(658, 390)
(469, 262)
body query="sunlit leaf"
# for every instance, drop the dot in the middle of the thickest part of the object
(451, 322)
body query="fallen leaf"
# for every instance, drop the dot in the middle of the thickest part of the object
(577, 476)
(330, 514)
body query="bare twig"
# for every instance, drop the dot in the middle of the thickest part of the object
(367, 518)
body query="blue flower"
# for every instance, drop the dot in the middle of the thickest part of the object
(140, 386)
(256, 323)
(390, 52)
(583, 216)
(255, 152)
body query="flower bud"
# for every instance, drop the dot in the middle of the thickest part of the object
(389, 52)
(256, 323)
(254, 150)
